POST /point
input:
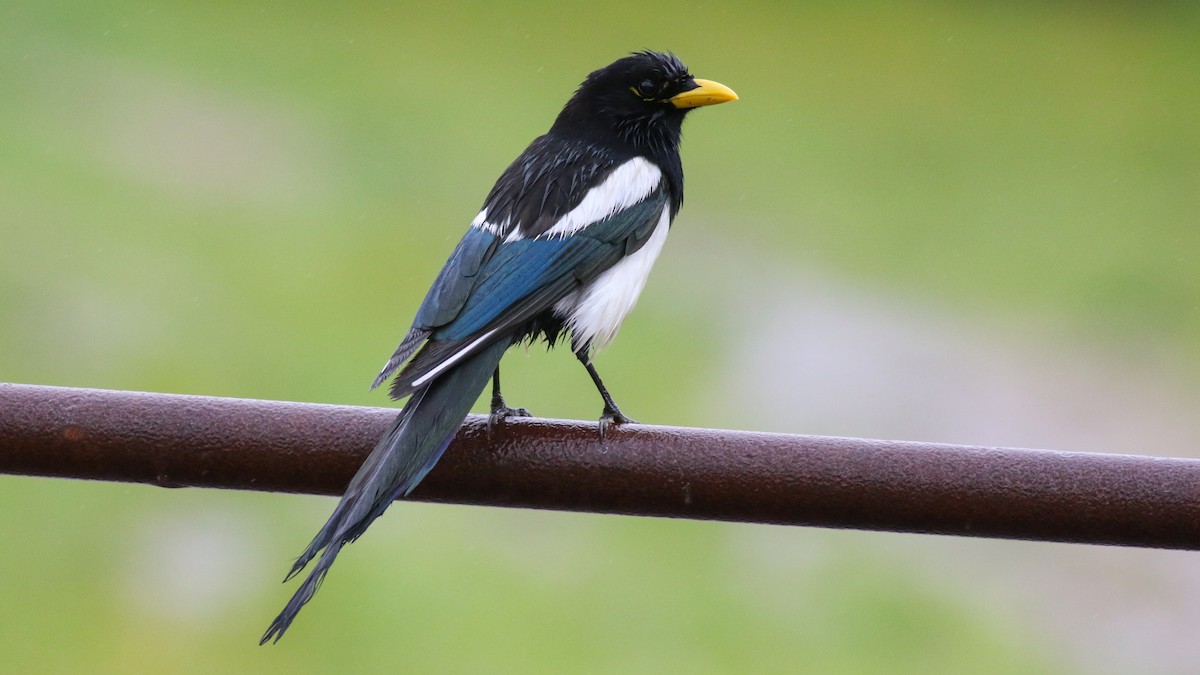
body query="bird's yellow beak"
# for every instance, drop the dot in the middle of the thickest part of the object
(708, 93)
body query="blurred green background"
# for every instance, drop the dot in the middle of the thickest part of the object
(942, 221)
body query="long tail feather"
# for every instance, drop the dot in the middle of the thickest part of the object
(404, 455)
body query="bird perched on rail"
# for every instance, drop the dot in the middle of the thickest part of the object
(564, 243)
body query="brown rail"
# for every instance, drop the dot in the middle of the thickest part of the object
(177, 441)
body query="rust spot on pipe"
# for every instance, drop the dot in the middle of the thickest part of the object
(73, 434)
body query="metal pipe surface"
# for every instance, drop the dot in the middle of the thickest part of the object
(197, 441)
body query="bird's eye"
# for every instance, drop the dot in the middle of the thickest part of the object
(647, 89)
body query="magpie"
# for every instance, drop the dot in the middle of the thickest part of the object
(563, 244)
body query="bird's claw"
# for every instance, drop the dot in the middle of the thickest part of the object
(502, 412)
(613, 416)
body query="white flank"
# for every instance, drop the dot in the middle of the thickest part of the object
(458, 356)
(596, 311)
(627, 185)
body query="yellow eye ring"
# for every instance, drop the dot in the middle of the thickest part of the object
(638, 93)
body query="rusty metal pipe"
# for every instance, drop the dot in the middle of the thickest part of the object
(197, 441)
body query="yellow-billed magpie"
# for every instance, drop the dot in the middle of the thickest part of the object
(564, 243)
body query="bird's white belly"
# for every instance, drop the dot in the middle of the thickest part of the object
(595, 312)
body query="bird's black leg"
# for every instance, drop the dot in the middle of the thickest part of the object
(500, 411)
(612, 414)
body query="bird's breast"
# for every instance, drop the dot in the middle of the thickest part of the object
(595, 311)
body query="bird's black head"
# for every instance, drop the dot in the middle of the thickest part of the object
(638, 101)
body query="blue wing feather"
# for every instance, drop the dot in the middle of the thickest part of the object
(522, 267)
(519, 279)
(445, 298)
(455, 282)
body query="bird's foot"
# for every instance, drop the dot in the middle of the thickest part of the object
(501, 412)
(613, 415)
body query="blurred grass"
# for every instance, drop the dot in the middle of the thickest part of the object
(249, 199)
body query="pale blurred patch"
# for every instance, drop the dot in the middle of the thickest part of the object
(195, 568)
(204, 145)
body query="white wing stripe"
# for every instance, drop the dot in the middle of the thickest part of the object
(458, 356)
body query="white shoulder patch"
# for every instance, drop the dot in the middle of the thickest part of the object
(627, 185)
(482, 223)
